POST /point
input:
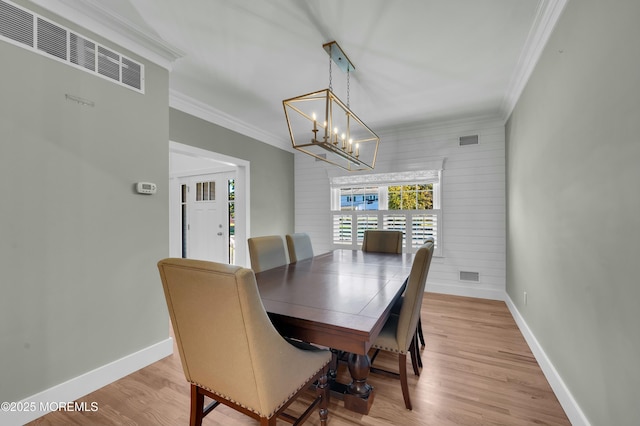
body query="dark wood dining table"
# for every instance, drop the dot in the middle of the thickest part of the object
(339, 300)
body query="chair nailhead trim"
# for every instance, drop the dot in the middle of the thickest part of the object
(254, 410)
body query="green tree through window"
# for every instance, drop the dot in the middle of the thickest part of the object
(411, 197)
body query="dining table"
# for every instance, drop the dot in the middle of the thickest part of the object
(339, 300)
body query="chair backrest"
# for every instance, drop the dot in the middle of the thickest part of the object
(414, 292)
(226, 341)
(382, 241)
(267, 252)
(299, 245)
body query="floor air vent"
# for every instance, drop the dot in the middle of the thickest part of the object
(469, 276)
(18, 26)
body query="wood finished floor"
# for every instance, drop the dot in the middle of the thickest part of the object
(478, 370)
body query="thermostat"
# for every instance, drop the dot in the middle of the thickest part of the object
(146, 188)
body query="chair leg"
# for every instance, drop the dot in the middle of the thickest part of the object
(415, 356)
(418, 355)
(323, 391)
(373, 358)
(197, 406)
(402, 365)
(420, 335)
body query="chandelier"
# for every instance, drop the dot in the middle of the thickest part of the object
(323, 126)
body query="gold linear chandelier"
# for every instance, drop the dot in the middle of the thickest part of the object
(321, 125)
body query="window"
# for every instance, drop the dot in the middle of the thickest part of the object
(407, 202)
(232, 220)
(206, 191)
(359, 198)
(411, 197)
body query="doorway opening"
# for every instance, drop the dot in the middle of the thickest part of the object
(209, 204)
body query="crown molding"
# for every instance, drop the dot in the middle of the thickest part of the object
(189, 105)
(445, 124)
(117, 29)
(546, 18)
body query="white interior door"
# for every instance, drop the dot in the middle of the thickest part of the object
(187, 161)
(207, 227)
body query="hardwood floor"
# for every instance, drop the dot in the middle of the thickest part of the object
(478, 370)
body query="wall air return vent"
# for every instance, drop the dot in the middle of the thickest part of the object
(469, 276)
(469, 140)
(131, 73)
(82, 52)
(52, 39)
(18, 26)
(108, 63)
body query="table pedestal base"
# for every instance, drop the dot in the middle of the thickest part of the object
(358, 404)
(357, 395)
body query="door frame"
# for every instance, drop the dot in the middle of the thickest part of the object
(242, 197)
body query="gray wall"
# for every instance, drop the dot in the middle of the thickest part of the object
(78, 248)
(573, 168)
(271, 186)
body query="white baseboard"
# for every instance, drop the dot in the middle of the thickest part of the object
(572, 409)
(466, 291)
(41, 403)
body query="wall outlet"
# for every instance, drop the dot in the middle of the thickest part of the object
(525, 297)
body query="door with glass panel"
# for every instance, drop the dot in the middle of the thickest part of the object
(205, 210)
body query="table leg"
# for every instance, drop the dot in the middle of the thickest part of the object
(333, 366)
(359, 395)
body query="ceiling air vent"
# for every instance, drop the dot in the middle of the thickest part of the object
(469, 140)
(19, 26)
(469, 276)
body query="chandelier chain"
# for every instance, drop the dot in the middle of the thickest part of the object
(330, 86)
(348, 85)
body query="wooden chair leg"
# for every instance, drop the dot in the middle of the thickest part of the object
(420, 335)
(197, 406)
(402, 365)
(323, 391)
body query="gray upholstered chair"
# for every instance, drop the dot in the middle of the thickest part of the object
(382, 241)
(399, 332)
(299, 245)
(267, 252)
(229, 349)
(398, 305)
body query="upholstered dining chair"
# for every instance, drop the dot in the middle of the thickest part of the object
(382, 241)
(399, 332)
(398, 305)
(266, 252)
(299, 245)
(229, 349)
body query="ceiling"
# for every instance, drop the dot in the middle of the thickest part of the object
(417, 61)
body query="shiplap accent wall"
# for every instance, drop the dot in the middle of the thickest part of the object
(473, 200)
